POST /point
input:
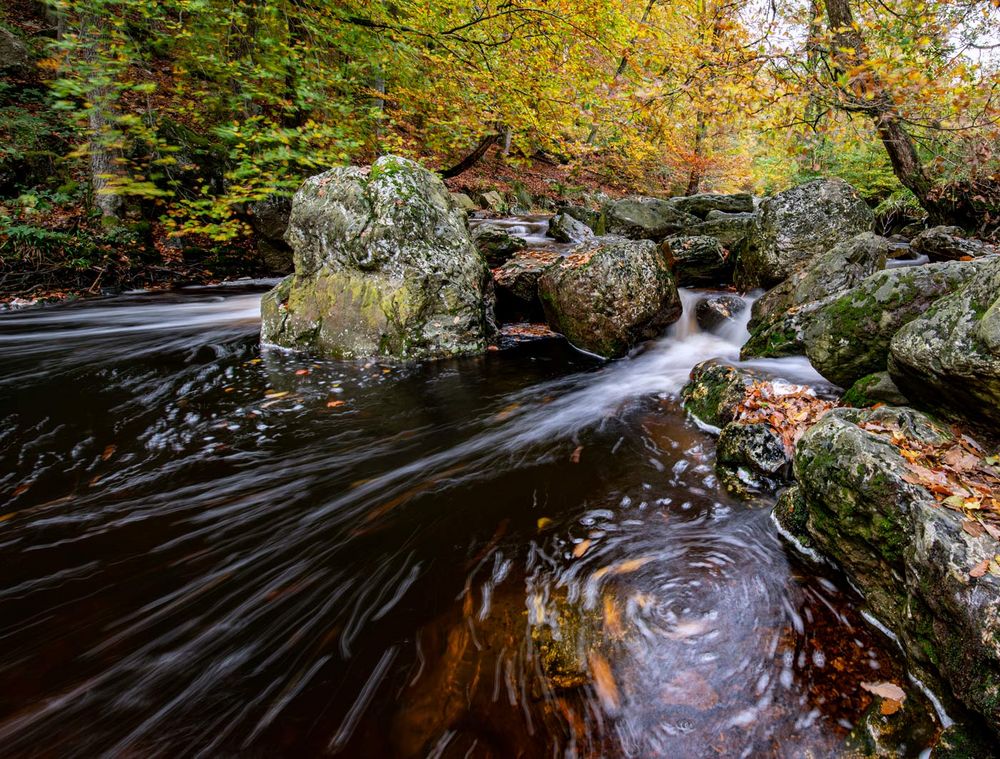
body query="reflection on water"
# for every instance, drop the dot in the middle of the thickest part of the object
(210, 551)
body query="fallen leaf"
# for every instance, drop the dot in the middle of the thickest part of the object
(276, 394)
(885, 690)
(890, 706)
(973, 528)
(581, 548)
(301, 372)
(604, 682)
(544, 523)
(108, 452)
(575, 456)
(335, 404)
(980, 569)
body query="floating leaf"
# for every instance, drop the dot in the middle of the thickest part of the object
(886, 690)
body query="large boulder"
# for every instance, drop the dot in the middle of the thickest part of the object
(607, 299)
(706, 203)
(732, 230)
(950, 244)
(516, 283)
(15, 55)
(495, 243)
(717, 310)
(849, 337)
(949, 358)
(715, 391)
(643, 218)
(910, 557)
(780, 316)
(593, 219)
(799, 223)
(564, 227)
(698, 260)
(384, 266)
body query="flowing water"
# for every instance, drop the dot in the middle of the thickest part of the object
(210, 549)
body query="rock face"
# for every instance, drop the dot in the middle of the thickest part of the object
(607, 299)
(799, 223)
(697, 260)
(384, 266)
(565, 228)
(706, 203)
(849, 337)
(781, 315)
(646, 218)
(909, 556)
(751, 458)
(516, 284)
(497, 245)
(712, 313)
(15, 56)
(269, 219)
(950, 244)
(949, 358)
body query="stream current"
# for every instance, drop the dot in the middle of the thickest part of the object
(210, 549)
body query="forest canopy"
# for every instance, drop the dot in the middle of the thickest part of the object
(187, 110)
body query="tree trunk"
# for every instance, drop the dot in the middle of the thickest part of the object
(470, 160)
(694, 180)
(106, 158)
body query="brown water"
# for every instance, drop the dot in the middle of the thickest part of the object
(207, 549)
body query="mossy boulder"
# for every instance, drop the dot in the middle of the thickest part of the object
(564, 227)
(384, 266)
(848, 338)
(714, 392)
(780, 317)
(949, 357)
(799, 223)
(950, 244)
(874, 388)
(751, 458)
(698, 260)
(607, 299)
(15, 55)
(909, 556)
(705, 203)
(496, 244)
(516, 283)
(642, 218)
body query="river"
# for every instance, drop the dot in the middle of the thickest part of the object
(210, 549)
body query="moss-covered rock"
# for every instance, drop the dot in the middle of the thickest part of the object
(705, 203)
(849, 337)
(496, 244)
(909, 556)
(714, 311)
(607, 299)
(950, 244)
(698, 260)
(714, 392)
(564, 227)
(872, 389)
(643, 218)
(799, 223)
(384, 266)
(751, 458)
(949, 358)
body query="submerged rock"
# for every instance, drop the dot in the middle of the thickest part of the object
(607, 299)
(849, 337)
(563, 227)
(384, 266)
(642, 218)
(496, 244)
(910, 557)
(711, 313)
(799, 223)
(780, 317)
(699, 260)
(950, 244)
(949, 358)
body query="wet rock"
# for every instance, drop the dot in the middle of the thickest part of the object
(697, 260)
(15, 55)
(521, 200)
(516, 284)
(890, 729)
(384, 266)
(642, 218)
(463, 202)
(849, 337)
(714, 392)
(751, 458)
(713, 312)
(909, 556)
(779, 317)
(703, 204)
(591, 218)
(607, 299)
(950, 244)
(732, 230)
(496, 244)
(791, 513)
(799, 223)
(875, 388)
(277, 257)
(565, 228)
(949, 358)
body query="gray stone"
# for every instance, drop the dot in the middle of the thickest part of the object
(699, 260)
(15, 55)
(643, 218)
(565, 228)
(591, 218)
(711, 313)
(751, 458)
(493, 201)
(496, 244)
(909, 557)
(732, 230)
(516, 284)
(715, 391)
(780, 317)
(463, 202)
(799, 223)
(384, 266)
(949, 358)
(950, 244)
(848, 338)
(269, 217)
(875, 388)
(706, 203)
(607, 299)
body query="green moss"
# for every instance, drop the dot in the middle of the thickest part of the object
(857, 395)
